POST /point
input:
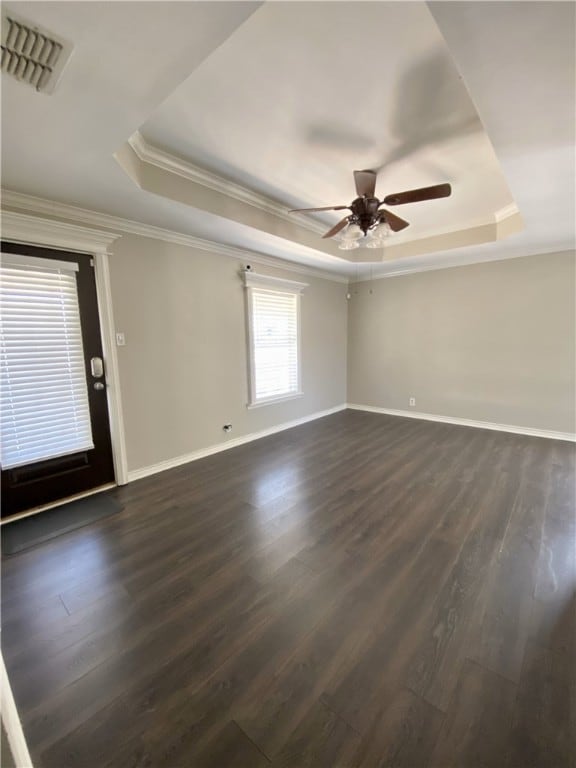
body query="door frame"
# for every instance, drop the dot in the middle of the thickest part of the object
(33, 230)
(11, 721)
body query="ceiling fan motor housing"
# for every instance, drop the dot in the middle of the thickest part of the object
(365, 213)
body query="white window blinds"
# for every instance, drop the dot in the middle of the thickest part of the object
(275, 320)
(274, 338)
(43, 397)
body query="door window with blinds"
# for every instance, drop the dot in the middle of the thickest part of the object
(274, 337)
(44, 405)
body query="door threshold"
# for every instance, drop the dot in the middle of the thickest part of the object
(59, 503)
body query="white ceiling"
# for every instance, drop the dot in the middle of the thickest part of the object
(286, 99)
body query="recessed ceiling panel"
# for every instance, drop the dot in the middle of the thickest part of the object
(304, 93)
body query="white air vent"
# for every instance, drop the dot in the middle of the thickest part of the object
(31, 54)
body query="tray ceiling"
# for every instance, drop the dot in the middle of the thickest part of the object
(283, 101)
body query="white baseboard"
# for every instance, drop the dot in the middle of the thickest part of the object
(137, 474)
(468, 422)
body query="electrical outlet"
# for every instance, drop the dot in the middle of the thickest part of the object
(412, 402)
(227, 427)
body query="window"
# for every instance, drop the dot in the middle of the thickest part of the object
(274, 331)
(43, 398)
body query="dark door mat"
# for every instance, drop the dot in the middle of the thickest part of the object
(30, 531)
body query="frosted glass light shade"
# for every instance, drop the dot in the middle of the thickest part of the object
(348, 245)
(352, 232)
(377, 237)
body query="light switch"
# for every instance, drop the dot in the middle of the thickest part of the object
(120, 340)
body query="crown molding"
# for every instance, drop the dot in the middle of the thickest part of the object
(504, 213)
(24, 228)
(42, 206)
(166, 161)
(494, 218)
(365, 276)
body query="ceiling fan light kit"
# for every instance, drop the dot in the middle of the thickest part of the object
(352, 232)
(377, 238)
(368, 225)
(353, 237)
(349, 245)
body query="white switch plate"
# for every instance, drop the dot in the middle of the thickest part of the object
(120, 340)
(412, 401)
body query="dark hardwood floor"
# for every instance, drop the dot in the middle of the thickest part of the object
(359, 591)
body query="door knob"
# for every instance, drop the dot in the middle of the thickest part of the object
(98, 385)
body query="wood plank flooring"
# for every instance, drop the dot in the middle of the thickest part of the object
(360, 591)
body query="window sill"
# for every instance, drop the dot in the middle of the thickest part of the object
(274, 400)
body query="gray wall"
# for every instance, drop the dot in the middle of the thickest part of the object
(184, 369)
(490, 342)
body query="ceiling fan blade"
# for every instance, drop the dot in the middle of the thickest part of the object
(329, 208)
(365, 183)
(336, 229)
(394, 222)
(417, 195)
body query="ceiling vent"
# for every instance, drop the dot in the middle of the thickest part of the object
(32, 54)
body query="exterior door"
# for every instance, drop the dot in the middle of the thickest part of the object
(53, 404)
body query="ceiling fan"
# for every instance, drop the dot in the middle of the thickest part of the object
(368, 222)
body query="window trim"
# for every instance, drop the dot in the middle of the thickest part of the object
(253, 281)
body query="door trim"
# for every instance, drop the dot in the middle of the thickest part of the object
(33, 230)
(108, 330)
(11, 721)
